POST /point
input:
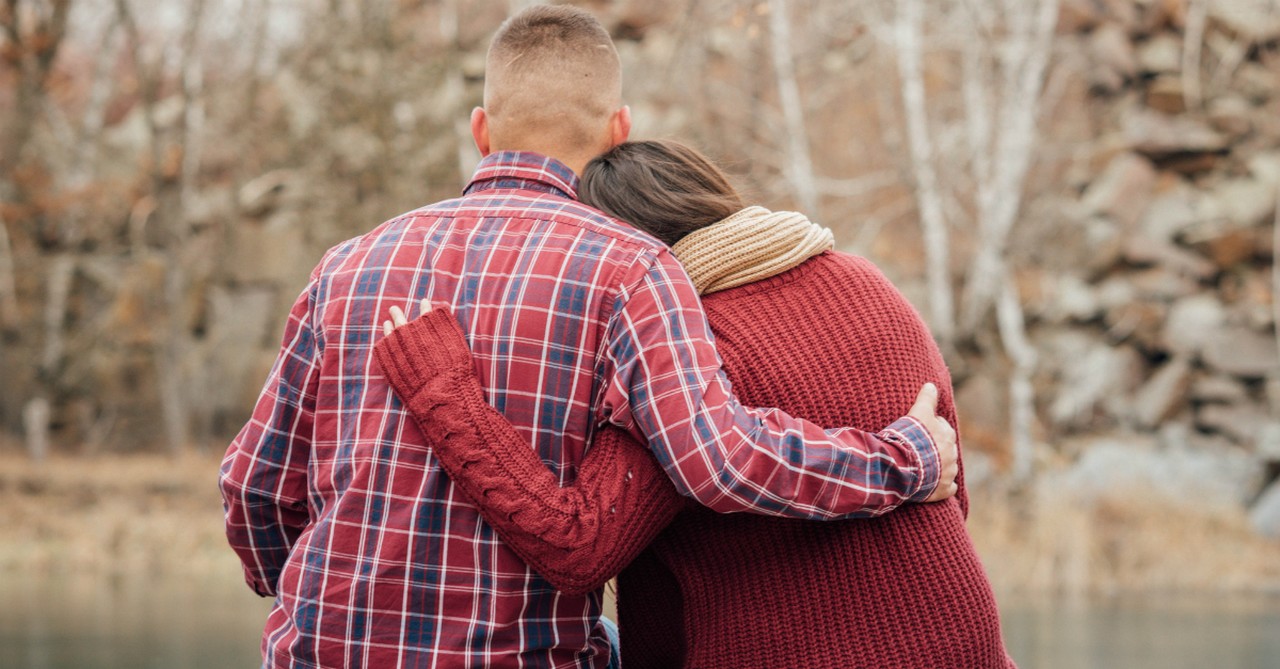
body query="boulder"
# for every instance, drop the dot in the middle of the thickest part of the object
(1093, 379)
(1165, 94)
(1231, 115)
(1123, 191)
(1076, 241)
(1247, 202)
(1265, 514)
(1121, 14)
(1242, 353)
(1218, 390)
(269, 253)
(1171, 212)
(265, 193)
(1163, 284)
(1068, 298)
(1218, 479)
(1265, 167)
(1163, 394)
(1113, 60)
(1161, 54)
(1242, 422)
(1253, 21)
(1159, 136)
(1268, 446)
(1256, 82)
(1247, 296)
(1077, 16)
(1228, 245)
(1143, 251)
(1193, 322)
(1138, 322)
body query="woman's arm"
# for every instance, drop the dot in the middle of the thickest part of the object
(578, 536)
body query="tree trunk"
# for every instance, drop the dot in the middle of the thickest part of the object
(799, 163)
(937, 251)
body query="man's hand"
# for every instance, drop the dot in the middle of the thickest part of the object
(925, 410)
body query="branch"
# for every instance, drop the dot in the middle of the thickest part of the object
(1012, 326)
(858, 186)
(907, 30)
(8, 286)
(1192, 45)
(11, 22)
(800, 164)
(1275, 272)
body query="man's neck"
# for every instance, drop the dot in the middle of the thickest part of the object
(574, 160)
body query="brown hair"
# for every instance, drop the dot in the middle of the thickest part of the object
(665, 188)
(552, 72)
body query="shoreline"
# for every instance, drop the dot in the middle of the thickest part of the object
(158, 516)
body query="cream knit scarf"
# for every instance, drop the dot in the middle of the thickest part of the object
(751, 245)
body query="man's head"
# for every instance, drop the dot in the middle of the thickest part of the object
(553, 84)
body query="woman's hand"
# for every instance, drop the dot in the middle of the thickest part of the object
(398, 318)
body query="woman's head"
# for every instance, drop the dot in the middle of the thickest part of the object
(662, 187)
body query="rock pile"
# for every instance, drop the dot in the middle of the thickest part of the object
(1154, 309)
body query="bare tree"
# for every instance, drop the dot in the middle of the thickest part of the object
(799, 165)
(33, 31)
(1002, 48)
(907, 38)
(170, 185)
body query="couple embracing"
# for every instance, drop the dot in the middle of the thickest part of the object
(575, 402)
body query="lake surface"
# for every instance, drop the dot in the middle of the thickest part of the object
(94, 624)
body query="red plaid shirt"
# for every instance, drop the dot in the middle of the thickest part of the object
(337, 508)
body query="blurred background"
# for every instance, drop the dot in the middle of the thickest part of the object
(1080, 196)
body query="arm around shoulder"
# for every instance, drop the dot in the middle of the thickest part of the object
(578, 536)
(667, 386)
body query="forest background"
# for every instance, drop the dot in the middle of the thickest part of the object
(1080, 196)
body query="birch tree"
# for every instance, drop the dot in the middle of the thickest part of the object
(799, 165)
(170, 186)
(1003, 49)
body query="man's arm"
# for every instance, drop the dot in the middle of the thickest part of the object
(578, 536)
(666, 385)
(264, 473)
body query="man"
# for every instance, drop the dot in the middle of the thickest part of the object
(339, 511)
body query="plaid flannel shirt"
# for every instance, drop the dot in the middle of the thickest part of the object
(338, 510)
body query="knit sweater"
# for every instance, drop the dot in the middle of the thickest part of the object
(830, 340)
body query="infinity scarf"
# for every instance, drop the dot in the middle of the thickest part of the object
(751, 245)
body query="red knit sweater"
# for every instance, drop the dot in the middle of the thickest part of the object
(831, 341)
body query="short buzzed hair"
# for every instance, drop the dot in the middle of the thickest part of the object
(552, 70)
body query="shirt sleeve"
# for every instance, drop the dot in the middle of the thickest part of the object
(578, 536)
(665, 384)
(264, 473)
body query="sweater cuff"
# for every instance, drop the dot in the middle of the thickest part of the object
(910, 432)
(429, 346)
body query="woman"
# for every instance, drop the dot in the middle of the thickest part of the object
(820, 334)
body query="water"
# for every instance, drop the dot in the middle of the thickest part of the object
(215, 624)
(81, 623)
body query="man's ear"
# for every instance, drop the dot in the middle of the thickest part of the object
(480, 130)
(620, 126)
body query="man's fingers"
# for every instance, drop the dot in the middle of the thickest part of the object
(926, 402)
(424, 307)
(397, 316)
(387, 328)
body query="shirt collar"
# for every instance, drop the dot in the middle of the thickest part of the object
(524, 170)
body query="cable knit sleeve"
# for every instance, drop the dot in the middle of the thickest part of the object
(578, 536)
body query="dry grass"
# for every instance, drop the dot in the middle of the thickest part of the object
(120, 515)
(1130, 542)
(158, 515)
